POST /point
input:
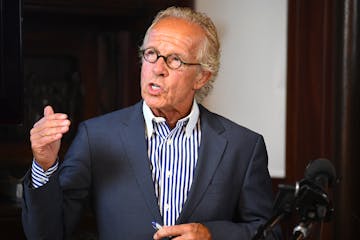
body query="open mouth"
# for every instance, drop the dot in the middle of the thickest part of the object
(155, 86)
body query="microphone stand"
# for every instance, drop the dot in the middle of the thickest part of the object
(313, 205)
(302, 231)
(309, 201)
(264, 230)
(284, 205)
(307, 198)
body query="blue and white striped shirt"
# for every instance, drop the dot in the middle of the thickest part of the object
(39, 177)
(173, 155)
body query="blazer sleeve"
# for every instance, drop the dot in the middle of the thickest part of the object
(255, 202)
(53, 210)
(41, 209)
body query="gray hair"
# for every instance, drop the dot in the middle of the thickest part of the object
(208, 54)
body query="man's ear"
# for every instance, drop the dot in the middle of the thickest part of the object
(202, 78)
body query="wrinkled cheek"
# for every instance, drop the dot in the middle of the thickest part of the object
(143, 81)
(143, 73)
(142, 88)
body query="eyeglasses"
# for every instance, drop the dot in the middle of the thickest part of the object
(173, 61)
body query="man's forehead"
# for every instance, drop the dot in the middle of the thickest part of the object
(178, 25)
(176, 31)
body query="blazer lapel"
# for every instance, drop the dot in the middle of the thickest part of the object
(136, 149)
(211, 149)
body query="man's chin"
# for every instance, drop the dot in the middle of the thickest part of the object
(153, 102)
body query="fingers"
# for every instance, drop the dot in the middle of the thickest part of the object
(49, 125)
(44, 136)
(49, 128)
(49, 117)
(190, 231)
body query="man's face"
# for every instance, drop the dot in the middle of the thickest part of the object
(167, 90)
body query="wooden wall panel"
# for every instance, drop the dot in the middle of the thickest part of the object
(310, 100)
(310, 83)
(323, 111)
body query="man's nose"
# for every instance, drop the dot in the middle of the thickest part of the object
(160, 67)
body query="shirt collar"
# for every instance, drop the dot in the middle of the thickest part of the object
(150, 117)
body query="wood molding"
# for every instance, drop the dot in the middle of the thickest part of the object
(347, 93)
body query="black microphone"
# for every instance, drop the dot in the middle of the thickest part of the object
(308, 198)
(312, 202)
(321, 172)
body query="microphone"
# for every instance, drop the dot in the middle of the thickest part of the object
(312, 202)
(321, 172)
(307, 197)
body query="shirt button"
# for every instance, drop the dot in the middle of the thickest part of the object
(167, 207)
(169, 141)
(168, 173)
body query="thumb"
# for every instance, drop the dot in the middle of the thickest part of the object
(48, 110)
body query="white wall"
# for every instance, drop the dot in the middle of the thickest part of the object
(251, 85)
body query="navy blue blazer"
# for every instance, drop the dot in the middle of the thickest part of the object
(108, 164)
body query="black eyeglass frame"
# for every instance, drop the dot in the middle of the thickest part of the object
(142, 52)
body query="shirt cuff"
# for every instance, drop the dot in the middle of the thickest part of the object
(39, 177)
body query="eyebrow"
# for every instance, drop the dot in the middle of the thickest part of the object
(172, 53)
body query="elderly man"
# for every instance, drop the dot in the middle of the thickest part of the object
(166, 162)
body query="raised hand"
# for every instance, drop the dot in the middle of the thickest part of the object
(45, 137)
